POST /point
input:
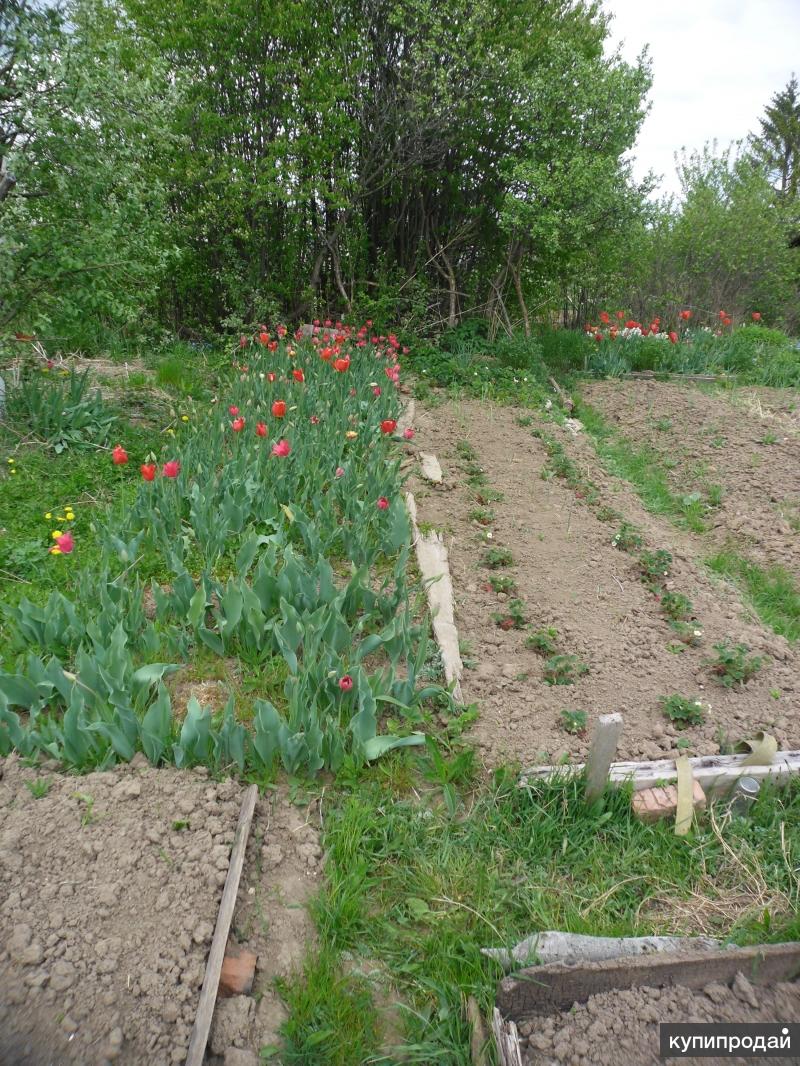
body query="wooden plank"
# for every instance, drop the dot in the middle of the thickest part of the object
(545, 989)
(607, 731)
(506, 1040)
(208, 993)
(714, 773)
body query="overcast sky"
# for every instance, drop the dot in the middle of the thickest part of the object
(716, 63)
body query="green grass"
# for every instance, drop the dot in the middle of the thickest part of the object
(644, 469)
(422, 884)
(772, 591)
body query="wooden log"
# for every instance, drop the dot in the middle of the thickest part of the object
(546, 989)
(506, 1039)
(714, 773)
(208, 993)
(607, 731)
(478, 1044)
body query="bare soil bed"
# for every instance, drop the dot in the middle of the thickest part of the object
(573, 579)
(744, 440)
(621, 1028)
(109, 891)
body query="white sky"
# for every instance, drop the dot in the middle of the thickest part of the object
(716, 64)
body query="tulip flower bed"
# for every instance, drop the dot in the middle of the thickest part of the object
(279, 524)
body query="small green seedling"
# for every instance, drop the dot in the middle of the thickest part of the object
(543, 641)
(39, 788)
(513, 617)
(627, 538)
(494, 558)
(690, 633)
(563, 670)
(88, 806)
(484, 516)
(655, 568)
(677, 607)
(732, 665)
(574, 722)
(502, 583)
(681, 711)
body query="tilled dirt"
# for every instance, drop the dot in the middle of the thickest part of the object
(110, 886)
(621, 1028)
(745, 441)
(573, 579)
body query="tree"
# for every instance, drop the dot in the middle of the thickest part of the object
(777, 146)
(84, 230)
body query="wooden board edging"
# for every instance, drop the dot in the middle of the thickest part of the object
(539, 990)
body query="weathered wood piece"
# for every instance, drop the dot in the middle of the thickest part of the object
(431, 470)
(506, 1039)
(208, 993)
(435, 569)
(545, 989)
(406, 419)
(566, 400)
(479, 1040)
(605, 739)
(714, 773)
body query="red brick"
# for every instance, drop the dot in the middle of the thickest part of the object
(238, 971)
(650, 804)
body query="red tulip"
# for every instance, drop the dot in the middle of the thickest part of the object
(261, 429)
(389, 425)
(237, 425)
(339, 471)
(685, 315)
(279, 408)
(673, 336)
(376, 390)
(314, 420)
(65, 543)
(263, 337)
(598, 336)
(282, 448)
(620, 315)
(756, 316)
(171, 468)
(298, 375)
(723, 314)
(148, 471)
(382, 504)
(630, 324)
(345, 683)
(341, 364)
(119, 456)
(408, 433)
(604, 317)
(726, 321)
(233, 410)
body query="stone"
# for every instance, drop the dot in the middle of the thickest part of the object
(231, 1025)
(62, 975)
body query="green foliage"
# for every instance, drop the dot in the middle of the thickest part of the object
(502, 583)
(563, 670)
(681, 711)
(494, 558)
(732, 665)
(627, 538)
(772, 591)
(513, 616)
(655, 568)
(677, 607)
(61, 412)
(574, 722)
(543, 641)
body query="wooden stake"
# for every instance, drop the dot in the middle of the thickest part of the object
(208, 993)
(601, 754)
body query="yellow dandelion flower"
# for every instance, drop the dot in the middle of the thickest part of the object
(351, 434)
(56, 534)
(12, 470)
(48, 514)
(184, 418)
(70, 516)
(55, 551)
(12, 461)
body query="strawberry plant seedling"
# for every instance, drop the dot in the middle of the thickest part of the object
(513, 617)
(543, 641)
(677, 607)
(627, 538)
(574, 722)
(655, 568)
(502, 583)
(682, 712)
(494, 558)
(564, 670)
(482, 515)
(732, 665)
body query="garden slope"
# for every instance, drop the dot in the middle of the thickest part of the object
(744, 440)
(572, 578)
